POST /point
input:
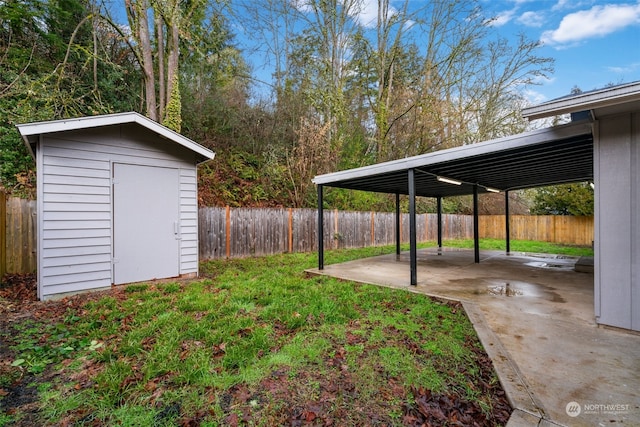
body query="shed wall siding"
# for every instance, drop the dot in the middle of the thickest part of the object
(75, 191)
(617, 176)
(188, 221)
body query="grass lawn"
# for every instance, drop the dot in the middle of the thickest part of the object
(521, 246)
(252, 342)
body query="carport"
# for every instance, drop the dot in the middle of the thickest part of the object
(556, 155)
(601, 146)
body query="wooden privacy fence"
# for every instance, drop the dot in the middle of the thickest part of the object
(570, 230)
(18, 231)
(236, 232)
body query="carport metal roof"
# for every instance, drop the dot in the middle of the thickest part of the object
(555, 155)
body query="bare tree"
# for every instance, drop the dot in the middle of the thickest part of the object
(467, 87)
(171, 20)
(138, 15)
(311, 156)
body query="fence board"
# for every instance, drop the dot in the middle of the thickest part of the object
(384, 228)
(20, 235)
(305, 229)
(3, 234)
(211, 233)
(575, 230)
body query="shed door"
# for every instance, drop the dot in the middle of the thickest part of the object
(146, 209)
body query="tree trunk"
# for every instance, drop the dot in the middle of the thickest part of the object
(147, 60)
(161, 66)
(174, 54)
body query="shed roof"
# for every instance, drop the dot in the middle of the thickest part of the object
(555, 155)
(609, 100)
(31, 131)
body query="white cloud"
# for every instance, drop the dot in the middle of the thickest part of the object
(533, 96)
(595, 22)
(561, 5)
(302, 5)
(625, 69)
(543, 80)
(531, 19)
(367, 16)
(502, 18)
(571, 4)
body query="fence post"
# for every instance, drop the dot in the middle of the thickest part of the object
(336, 229)
(228, 231)
(373, 229)
(3, 234)
(290, 230)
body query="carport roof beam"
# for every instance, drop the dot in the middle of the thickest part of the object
(559, 154)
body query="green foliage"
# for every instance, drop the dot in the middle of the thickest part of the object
(239, 178)
(35, 355)
(338, 198)
(568, 199)
(46, 73)
(173, 113)
(15, 160)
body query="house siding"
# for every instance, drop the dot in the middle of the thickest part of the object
(75, 202)
(617, 227)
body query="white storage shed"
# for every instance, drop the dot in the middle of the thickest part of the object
(117, 202)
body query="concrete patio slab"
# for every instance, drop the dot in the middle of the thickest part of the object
(534, 315)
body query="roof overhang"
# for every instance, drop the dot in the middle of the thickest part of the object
(31, 131)
(608, 100)
(555, 155)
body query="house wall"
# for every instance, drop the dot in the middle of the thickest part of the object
(617, 223)
(75, 202)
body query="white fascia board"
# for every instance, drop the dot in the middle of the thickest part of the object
(465, 151)
(28, 130)
(607, 97)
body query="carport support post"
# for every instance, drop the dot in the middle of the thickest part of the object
(398, 237)
(439, 211)
(412, 228)
(507, 221)
(476, 234)
(320, 230)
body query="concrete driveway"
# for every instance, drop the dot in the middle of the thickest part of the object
(535, 317)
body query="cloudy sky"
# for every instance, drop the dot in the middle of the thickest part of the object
(594, 42)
